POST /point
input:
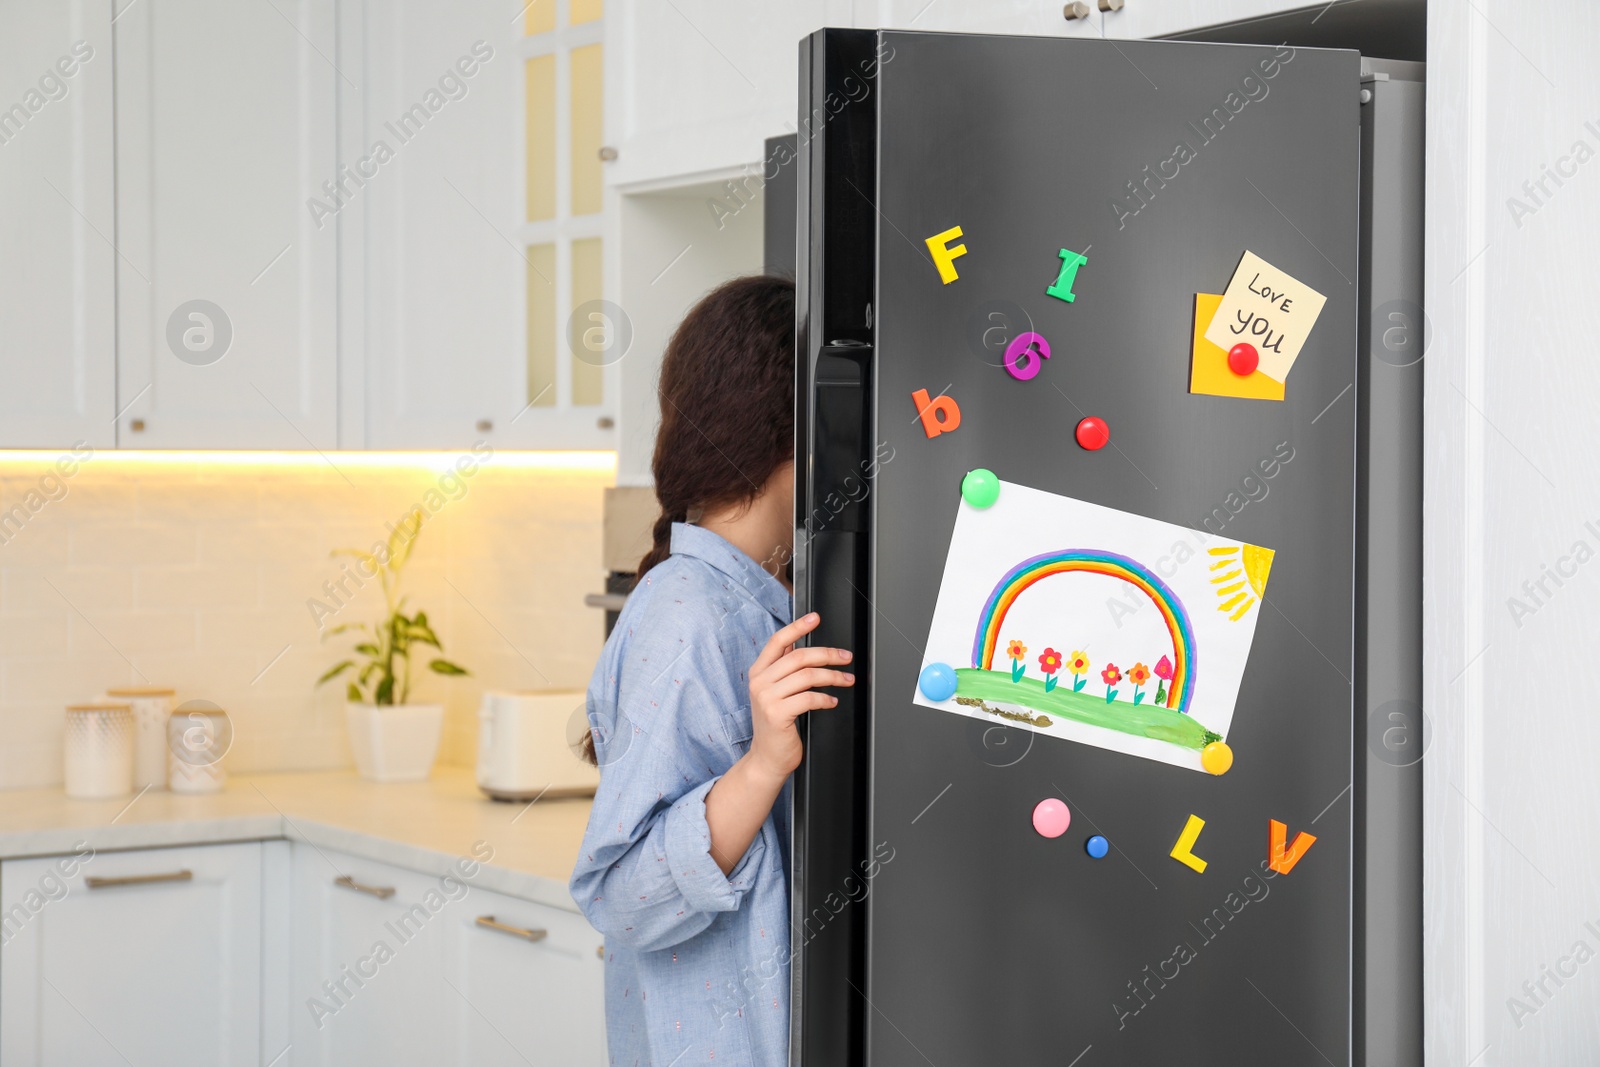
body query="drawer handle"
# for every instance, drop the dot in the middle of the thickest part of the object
(139, 879)
(382, 892)
(488, 922)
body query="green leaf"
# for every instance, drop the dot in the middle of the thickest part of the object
(336, 670)
(367, 648)
(343, 626)
(385, 692)
(444, 666)
(366, 557)
(366, 672)
(352, 694)
(403, 537)
(424, 634)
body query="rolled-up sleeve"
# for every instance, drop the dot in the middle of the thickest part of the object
(645, 877)
(687, 841)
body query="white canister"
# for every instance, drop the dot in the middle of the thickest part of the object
(97, 751)
(151, 707)
(198, 736)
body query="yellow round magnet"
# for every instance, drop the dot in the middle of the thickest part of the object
(1216, 757)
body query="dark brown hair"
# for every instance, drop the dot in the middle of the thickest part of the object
(727, 403)
(727, 408)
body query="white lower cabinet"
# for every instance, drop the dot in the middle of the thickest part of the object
(529, 984)
(366, 983)
(275, 954)
(393, 966)
(155, 956)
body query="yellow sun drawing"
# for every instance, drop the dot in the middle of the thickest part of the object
(1243, 578)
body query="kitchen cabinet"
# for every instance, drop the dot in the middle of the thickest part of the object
(529, 983)
(226, 274)
(147, 956)
(391, 965)
(697, 85)
(700, 84)
(1157, 18)
(367, 978)
(57, 287)
(482, 236)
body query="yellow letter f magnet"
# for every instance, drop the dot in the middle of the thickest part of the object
(944, 254)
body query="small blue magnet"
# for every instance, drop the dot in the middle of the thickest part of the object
(938, 681)
(1097, 847)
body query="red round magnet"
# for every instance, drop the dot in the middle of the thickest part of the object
(1093, 433)
(1243, 359)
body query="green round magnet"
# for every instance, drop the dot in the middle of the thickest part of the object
(980, 488)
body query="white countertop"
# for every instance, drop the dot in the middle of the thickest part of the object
(423, 826)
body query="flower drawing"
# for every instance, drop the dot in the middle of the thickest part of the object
(1017, 650)
(1163, 672)
(1078, 664)
(1111, 676)
(1138, 674)
(1050, 663)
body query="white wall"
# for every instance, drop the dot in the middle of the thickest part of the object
(197, 576)
(1512, 794)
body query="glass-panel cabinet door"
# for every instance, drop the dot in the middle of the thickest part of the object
(483, 312)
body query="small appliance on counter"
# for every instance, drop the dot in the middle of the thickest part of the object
(524, 748)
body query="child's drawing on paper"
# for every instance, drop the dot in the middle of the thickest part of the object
(1157, 621)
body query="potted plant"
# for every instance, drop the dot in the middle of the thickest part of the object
(393, 740)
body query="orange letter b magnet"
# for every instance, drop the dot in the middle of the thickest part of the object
(939, 415)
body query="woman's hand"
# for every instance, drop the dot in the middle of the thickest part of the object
(783, 680)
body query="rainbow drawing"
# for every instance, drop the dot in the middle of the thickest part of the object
(1093, 561)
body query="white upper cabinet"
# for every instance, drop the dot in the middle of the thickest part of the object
(1032, 18)
(698, 85)
(57, 224)
(479, 218)
(1157, 18)
(226, 278)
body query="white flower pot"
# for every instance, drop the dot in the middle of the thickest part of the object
(394, 743)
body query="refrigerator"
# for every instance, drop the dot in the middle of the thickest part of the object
(1010, 254)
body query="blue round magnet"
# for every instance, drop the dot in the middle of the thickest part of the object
(937, 681)
(1097, 847)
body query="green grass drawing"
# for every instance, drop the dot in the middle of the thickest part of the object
(1140, 720)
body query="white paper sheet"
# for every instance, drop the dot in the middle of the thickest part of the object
(1120, 588)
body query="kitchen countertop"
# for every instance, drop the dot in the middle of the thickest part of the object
(422, 826)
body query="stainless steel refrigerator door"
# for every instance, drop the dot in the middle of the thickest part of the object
(985, 942)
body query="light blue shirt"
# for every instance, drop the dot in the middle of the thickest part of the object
(697, 964)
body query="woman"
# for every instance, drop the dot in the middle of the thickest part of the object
(684, 867)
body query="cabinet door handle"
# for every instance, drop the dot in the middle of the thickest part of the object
(139, 879)
(382, 892)
(488, 922)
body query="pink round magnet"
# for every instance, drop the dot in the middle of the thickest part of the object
(1051, 818)
(1025, 355)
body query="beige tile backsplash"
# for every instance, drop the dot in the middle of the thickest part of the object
(197, 575)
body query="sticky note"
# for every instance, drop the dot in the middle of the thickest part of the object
(1183, 851)
(1283, 859)
(1268, 308)
(1209, 372)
